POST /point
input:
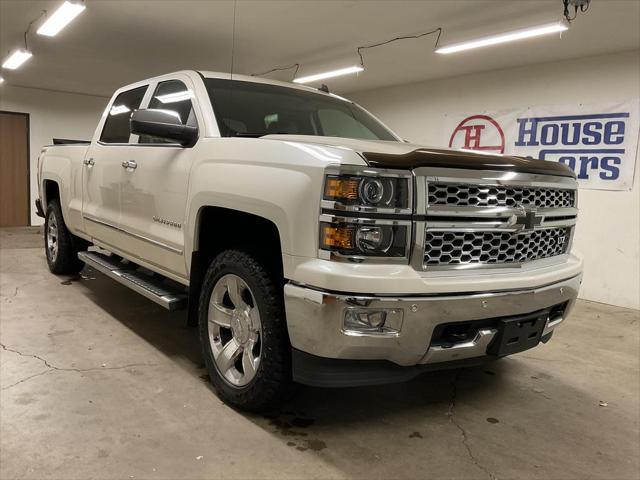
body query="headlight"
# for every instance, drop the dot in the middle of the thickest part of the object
(364, 238)
(366, 214)
(364, 192)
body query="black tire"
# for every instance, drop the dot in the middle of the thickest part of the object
(64, 259)
(272, 380)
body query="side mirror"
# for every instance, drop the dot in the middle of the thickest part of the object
(165, 124)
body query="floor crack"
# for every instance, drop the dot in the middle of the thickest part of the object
(72, 369)
(19, 287)
(465, 438)
(25, 379)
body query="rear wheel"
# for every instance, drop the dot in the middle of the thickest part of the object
(243, 332)
(61, 246)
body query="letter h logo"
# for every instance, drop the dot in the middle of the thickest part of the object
(472, 134)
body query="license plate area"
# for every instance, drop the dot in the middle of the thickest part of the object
(518, 334)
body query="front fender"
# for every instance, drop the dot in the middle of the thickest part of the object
(289, 198)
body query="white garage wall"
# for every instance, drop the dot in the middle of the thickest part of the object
(51, 115)
(608, 233)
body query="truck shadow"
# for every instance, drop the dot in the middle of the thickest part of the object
(168, 332)
(429, 398)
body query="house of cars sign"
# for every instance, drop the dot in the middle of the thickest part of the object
(598, 142)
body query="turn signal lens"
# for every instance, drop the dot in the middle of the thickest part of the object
(337, 237)
(341, 188)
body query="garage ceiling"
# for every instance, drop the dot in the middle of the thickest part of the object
(117, 42)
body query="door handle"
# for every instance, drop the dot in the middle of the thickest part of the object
(132, 164)
(89, 162)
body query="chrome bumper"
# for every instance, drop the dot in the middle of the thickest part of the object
(315, 321)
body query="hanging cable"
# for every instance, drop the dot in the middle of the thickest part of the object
(278, 69)
(43, 13)
(233, 36)
(582, 5)
(406, 37)
(566, 12)
(359, 50)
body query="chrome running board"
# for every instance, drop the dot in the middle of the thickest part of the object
(154, 288)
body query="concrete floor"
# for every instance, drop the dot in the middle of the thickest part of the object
(98, 382)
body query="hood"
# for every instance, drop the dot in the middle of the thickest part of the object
(407, 156)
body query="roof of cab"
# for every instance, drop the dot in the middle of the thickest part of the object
(235, 76)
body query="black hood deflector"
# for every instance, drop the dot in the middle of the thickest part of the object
(427, 157)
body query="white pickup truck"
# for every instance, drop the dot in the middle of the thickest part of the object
(309, 243)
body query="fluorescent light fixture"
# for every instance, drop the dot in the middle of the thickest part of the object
(331, 74)
(61, 18)
(1, 80)
(175, 96)
(16, 59)
(119, 109)
(505, 37)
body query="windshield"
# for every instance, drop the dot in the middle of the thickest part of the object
(247, 109)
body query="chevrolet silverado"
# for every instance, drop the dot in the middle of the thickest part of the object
(308, 241)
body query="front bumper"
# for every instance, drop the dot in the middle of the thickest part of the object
(315, 321)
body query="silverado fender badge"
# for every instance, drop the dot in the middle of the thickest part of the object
(164, 221)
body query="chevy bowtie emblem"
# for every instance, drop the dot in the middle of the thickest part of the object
(527, 220)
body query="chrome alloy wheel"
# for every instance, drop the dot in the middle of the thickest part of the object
(235, 331)
(52, 238)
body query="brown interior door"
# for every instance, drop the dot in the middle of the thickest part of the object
(14, 169)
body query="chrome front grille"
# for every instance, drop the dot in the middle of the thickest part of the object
(464, 195)
(482, 219)
(465, 248)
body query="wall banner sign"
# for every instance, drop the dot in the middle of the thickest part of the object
(599, 142)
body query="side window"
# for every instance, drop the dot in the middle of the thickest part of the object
(172, 95)
(116, 128)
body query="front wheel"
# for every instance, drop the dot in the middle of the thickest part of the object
(61, 246)
(243, 332)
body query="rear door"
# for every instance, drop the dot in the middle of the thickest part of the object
(103, 172)
(155, 187)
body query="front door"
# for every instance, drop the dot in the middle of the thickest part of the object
(103, 173)
(155, 187)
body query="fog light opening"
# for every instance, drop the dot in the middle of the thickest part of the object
(372, 321)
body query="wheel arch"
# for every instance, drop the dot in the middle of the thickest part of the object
(216, 229)
(50, 191)
(221, 228)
